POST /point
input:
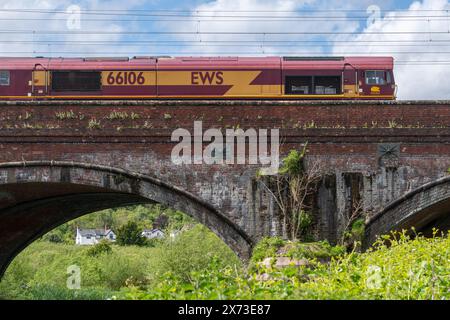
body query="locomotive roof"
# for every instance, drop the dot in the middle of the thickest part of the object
(75, 63)
(15, 63)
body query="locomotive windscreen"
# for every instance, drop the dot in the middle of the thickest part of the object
(76, 81)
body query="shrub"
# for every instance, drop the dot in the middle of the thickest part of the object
(193, 251)
(103, 247)
(293, 163)
(119, 271)
(55, 238)
(275, 246)
(48, 292)
(130, 234)
(267, 247)
(315, 250)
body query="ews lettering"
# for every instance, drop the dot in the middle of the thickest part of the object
(207, 78)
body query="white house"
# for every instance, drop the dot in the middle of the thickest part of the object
(152, 234)
(93, 236)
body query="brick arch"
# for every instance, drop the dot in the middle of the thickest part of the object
(423, 208)
(36, 197)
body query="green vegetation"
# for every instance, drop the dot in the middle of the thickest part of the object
(130, 234)
(267, 247)
(40, 271)
(103, 247)
(194, 251)
(355, 233)
(94, 124)
(123, 115)
(196, 264)
(406, 269)
(292, 189)
(27, 116)
(145, 216)
(65, 115)
(277, 247)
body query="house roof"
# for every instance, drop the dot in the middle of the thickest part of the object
(152, 230)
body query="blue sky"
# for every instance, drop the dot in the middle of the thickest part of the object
(345, 31)
(189, 22)
(189, 5)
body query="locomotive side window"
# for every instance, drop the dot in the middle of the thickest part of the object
(4, 78)
(313, 85)
(377, 77)
(76, 81)
(298, 85)
(327, 85)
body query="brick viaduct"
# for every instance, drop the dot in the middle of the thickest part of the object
(60, 160)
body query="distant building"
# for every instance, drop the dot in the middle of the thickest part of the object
(93, 236)
(153, 234)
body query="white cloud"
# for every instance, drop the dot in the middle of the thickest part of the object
(278, 11)
(414, 82)
(428, 81)
(51, 21)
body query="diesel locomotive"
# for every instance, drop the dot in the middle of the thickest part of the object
(301, 78)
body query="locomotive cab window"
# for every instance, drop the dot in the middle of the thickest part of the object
(4, 78)
(378, 77)
(76, 81)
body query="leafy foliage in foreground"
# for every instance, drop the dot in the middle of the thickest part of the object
(198, 265)
(397, 268)
(275, 246)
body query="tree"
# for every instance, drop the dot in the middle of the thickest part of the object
(353, 225)
(291, 189)
(130, 234)
(161, 222)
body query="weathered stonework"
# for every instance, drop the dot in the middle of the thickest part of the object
(423, 208)
(55, 167)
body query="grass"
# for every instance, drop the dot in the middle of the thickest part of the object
(417, 269)
(396, 268)
(94, 124)
(41, 270)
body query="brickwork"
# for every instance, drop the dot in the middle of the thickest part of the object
(418, 208)
(375, 151)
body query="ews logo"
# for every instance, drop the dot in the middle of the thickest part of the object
(207, 78)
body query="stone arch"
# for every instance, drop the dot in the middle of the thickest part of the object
(36, 197)
(423, 208)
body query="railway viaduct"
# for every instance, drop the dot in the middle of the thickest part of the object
(63, 159)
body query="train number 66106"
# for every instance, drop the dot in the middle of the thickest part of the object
(126, 78)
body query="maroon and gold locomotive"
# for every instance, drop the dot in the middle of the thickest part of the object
(198, 78)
